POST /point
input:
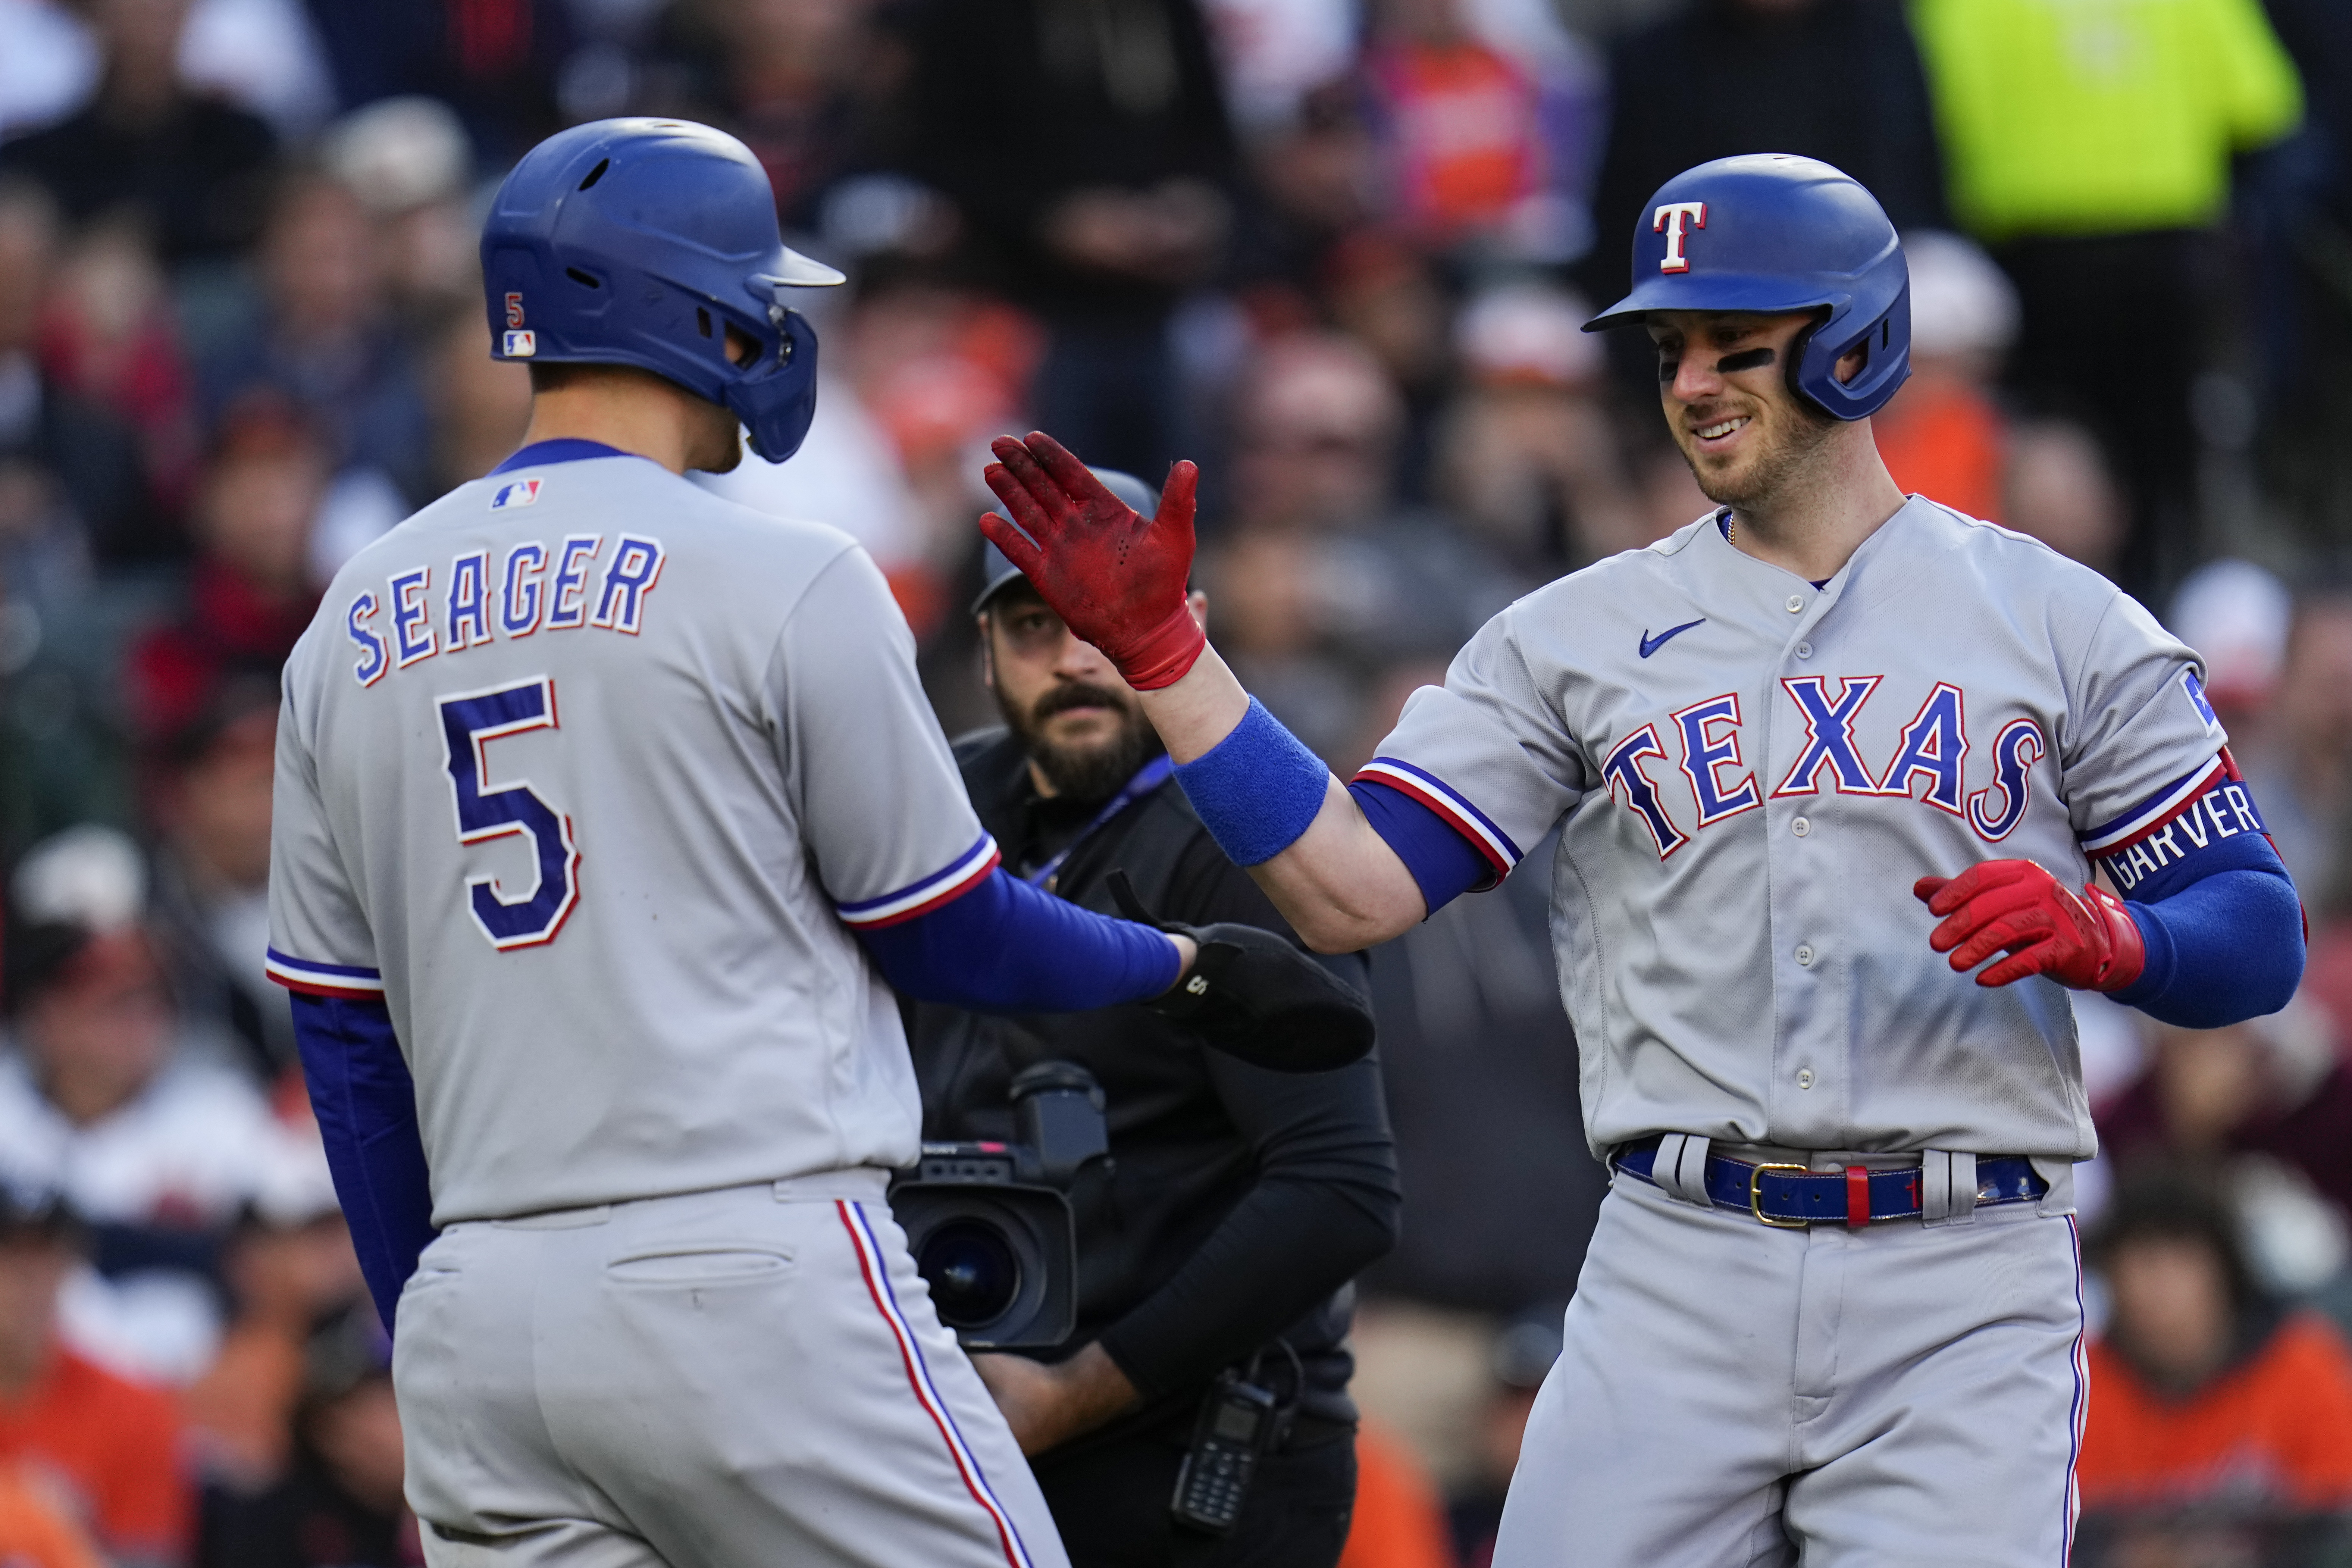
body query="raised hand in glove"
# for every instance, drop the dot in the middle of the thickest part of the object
(1259, 996)
(2086, 940)
(1115, 576)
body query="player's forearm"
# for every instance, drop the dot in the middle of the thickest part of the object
(1200, 710)
(1340, 886)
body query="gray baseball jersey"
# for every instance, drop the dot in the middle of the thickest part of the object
(1749, 772)
(588, 773)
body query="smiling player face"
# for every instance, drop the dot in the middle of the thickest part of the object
(1723, 378)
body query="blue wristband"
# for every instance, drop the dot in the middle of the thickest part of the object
(1257, 789)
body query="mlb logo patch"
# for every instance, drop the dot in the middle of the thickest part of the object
(522, 345)
(522, 493)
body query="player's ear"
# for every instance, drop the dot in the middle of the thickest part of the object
(1198, 603)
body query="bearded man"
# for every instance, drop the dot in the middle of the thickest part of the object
(1237, 1203)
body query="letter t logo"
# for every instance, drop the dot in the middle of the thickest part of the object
(1669, 220)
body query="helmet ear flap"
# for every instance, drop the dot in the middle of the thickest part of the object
(1799, 347)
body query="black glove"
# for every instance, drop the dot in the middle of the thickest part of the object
(1259, 996)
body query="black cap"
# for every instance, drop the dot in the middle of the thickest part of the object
(996, 571)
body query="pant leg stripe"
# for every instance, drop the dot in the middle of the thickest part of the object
(871, 1265)
(2079, 1358)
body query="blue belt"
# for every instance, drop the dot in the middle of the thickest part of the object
(1794, 1197)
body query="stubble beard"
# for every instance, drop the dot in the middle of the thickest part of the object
(1767, 477)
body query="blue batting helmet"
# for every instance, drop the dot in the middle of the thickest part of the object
(640, 242)
(1772, 233)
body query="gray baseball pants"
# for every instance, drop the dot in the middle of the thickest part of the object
(1731, 1395)
(715, 1380)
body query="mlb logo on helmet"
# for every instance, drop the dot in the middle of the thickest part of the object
(522, 345)
(522, 493)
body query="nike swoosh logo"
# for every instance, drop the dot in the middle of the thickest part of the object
(1650, 645)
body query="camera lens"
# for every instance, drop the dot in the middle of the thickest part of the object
(973, 1272)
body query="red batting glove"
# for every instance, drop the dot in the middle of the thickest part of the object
(2085, 941)
(1116, 578)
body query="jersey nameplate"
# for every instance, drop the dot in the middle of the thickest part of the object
(532, 587)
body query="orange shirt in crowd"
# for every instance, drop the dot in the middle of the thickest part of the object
(1943, 439)
(1464, 133)
(113, 1445)
(1399, 1522)
(37, 1535)
(2278, 1426)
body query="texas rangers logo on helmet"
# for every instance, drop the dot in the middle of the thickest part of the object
(1669, 220)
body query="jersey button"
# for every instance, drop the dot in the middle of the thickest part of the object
(1801, 828)
(1804, 650)
(1805, 1078)
(1796, 602)
(1804, 958)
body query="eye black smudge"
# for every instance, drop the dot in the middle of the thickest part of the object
(1746, 359)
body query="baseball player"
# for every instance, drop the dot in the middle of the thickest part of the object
(605, 807)
(1833, 1310)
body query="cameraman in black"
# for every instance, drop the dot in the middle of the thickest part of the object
(1237, 1204)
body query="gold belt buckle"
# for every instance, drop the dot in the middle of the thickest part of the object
(1756, 1196)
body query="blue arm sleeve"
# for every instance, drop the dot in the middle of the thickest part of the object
(366, 1106)
(1007, 947)
(2225, 934)
(1444, 863)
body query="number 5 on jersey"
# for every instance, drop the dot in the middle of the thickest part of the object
(470, 722)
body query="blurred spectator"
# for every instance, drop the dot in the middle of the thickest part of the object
(1323, 578)
(2273, 1089)
(1399, 1522)
(2299, 760)
(1088, 146)
(289, 1268)
(2092, 148)
(2217, 1420)
(1835, 79)
(1486, 151)
(72, 481)
(494, 61)
(408, 162)
(320, 334)
(49, 64)
(250, 593)
(104, 1097)
(1274, 53)
(34, 1533)
(108, 1446)
(1527, 458)
(1943, 436)
(192, 168)
(211, 876)
(340, 1505)
(1522, 1357)
(109, 336)
(795, 80)
(2236, 615)
(2056, 487)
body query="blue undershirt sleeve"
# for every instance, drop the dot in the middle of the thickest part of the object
(366, 1106)
(1007, 947)
(2221, 921)
(1444, 865)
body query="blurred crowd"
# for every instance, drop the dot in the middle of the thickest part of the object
(1338, 251)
